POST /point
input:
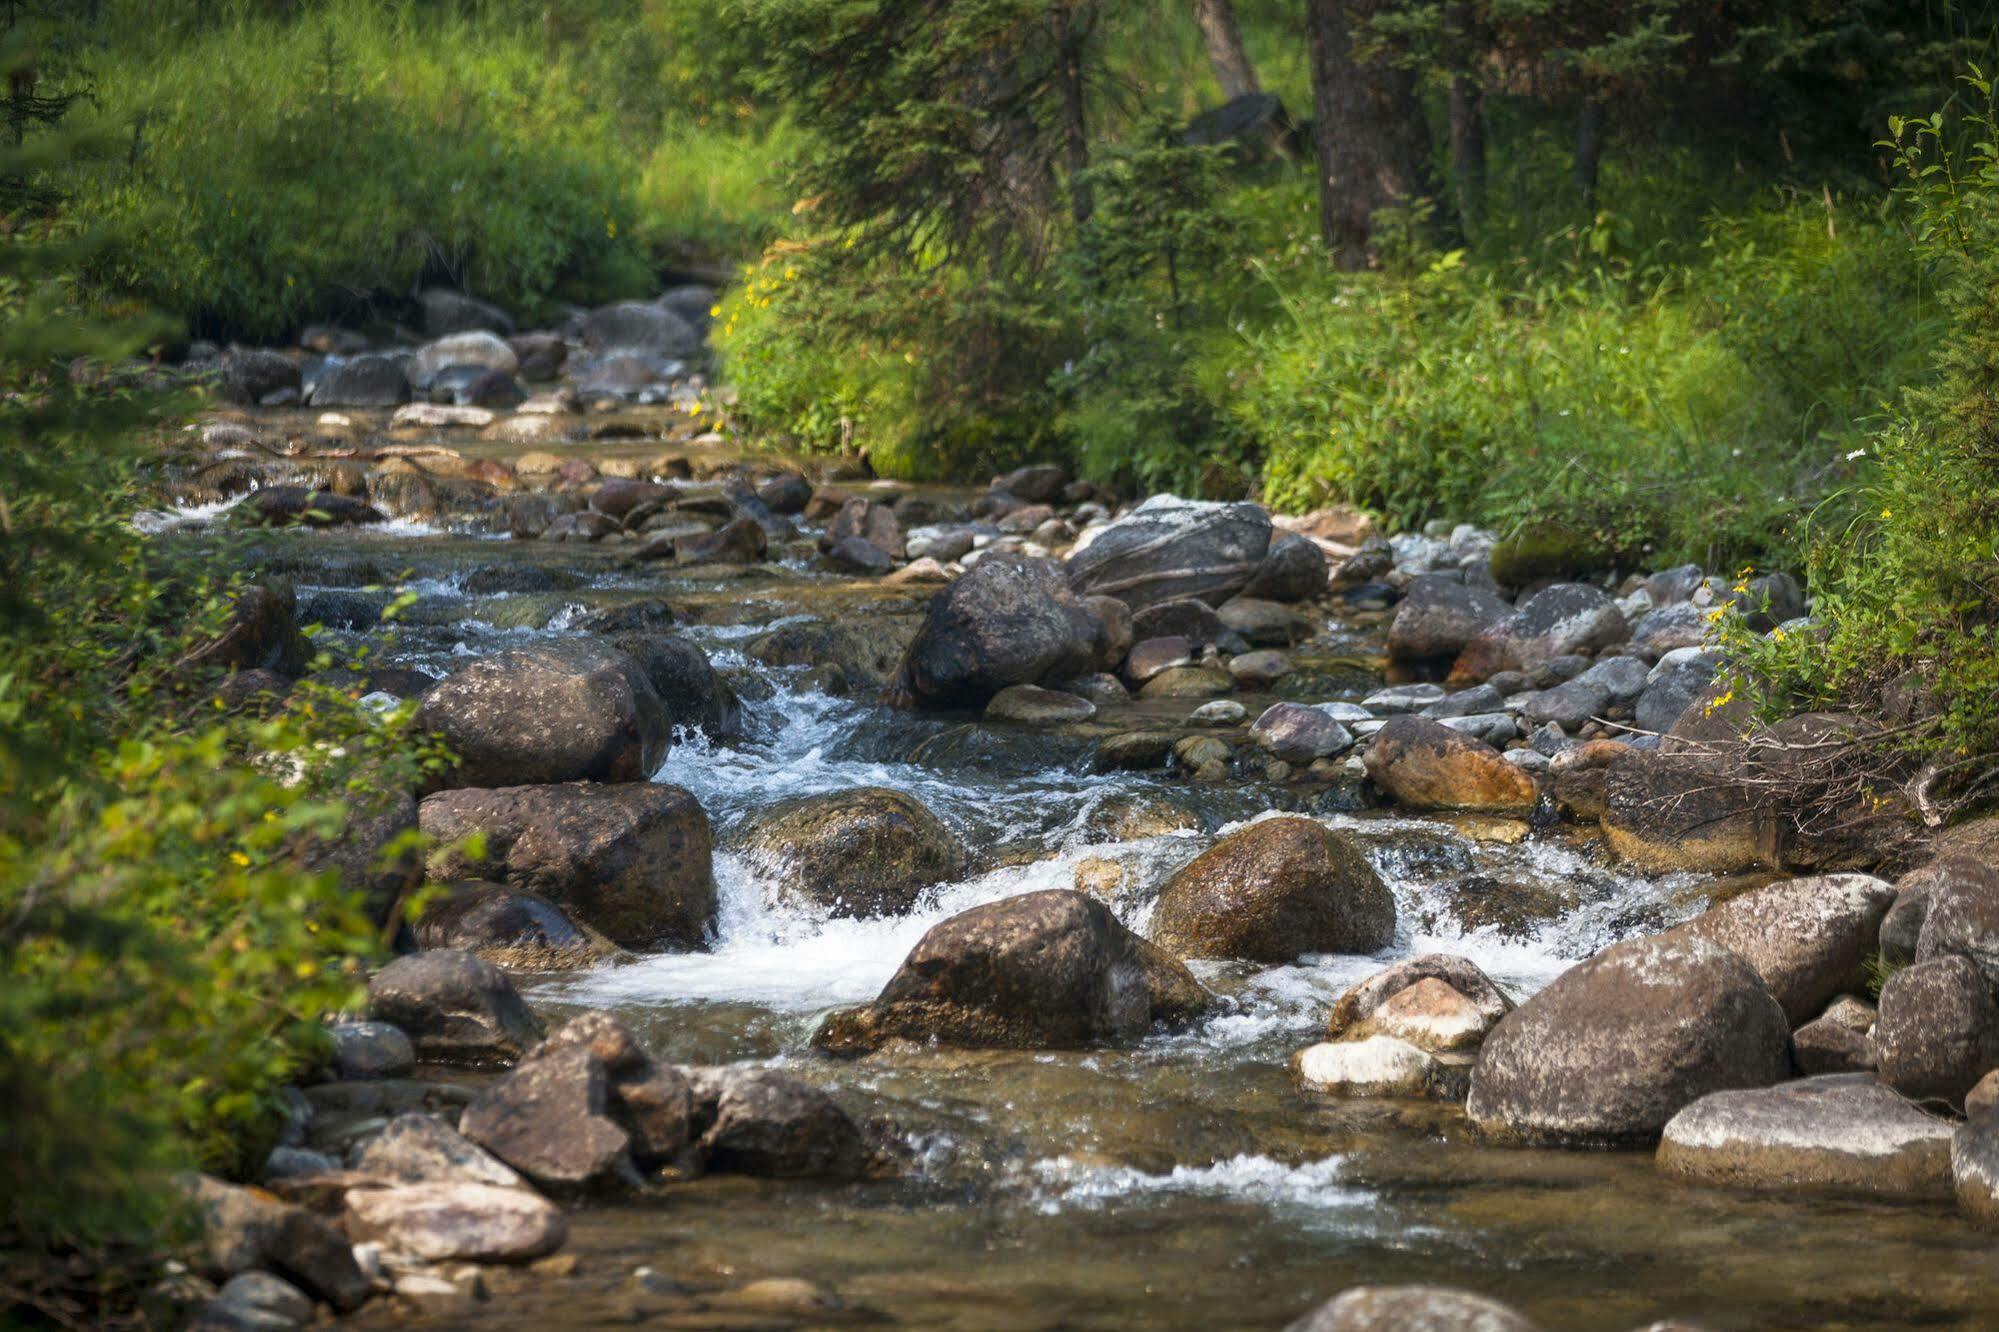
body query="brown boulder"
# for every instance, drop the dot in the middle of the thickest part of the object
(1424, 764)
(1273, 891)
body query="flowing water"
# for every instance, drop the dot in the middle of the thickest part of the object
(1184, 1183)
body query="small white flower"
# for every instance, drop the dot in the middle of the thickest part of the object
(1857, 453)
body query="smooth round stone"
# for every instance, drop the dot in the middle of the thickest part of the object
(1842, 1133)
(1188, 682)
(1377, 1066)
(457, 1221)
(1031, 705)
(370, 1050)
(1221, 712)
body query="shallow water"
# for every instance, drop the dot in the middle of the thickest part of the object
(1186, 1183)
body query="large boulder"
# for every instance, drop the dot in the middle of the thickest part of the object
(1439, 614)
(372, 379)
(866, 852)
(1411, 1309)
(1937, 1030)
(417, 1149)
(457, 1222)
(1555, 622)
(481, 349)
(641, 326)
(633, 860)
(1273, 892)
(1844, 1133)
(554, 712)
(455, 1008)
(1425, 764)
(1809, 939)
(1050, 969)
(1369, 1067)
(1618, 1045)
(868, 521)
(1962, 915)
(693, 693)
(251, 374)
(765, 1122)
(1295, 569)
(245, 1230)
(1011, 620)
(1168, 548)
(1974, 1168)
(1666, 813)
(510, 928)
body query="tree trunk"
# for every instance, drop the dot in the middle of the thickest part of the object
(1467, 122)
(1589, 151)
(1368, 132)
(1224, 38)
(1071, 31)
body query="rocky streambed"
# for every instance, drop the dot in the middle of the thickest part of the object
(1020, 908)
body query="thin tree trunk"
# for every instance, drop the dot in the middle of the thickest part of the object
(1071, 30)
(1368, 133)
(1225, 51)
(1467, 122)
(1589, 151)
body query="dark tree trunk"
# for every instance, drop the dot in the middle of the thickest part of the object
(1589, 151)
(1225, 52)
(1368, 132)
(1467, 122)
(1071, 31)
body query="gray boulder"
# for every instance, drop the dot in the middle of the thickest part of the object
(1809, 939)
(1937, 1030)
(554, 712)
(457, 1222)
(372, 379)
(455, 1008)
(866, 852)
(1168, 548)
(1439, 615)
(1272, 892)
(1043, 970)
(1011, 620)
(1618, 1045)
(1299, 734)
(641, 326)
(1962, 919)
(1840, 1134)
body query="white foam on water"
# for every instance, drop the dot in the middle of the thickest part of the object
(152, 522)
(1311, 1187)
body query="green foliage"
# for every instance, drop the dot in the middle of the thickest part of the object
(1905, 562)
(164, 952)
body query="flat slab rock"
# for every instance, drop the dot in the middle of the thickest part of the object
(1841, 1133)
(458, 1221)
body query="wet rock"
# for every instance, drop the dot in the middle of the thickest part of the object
(1299, 734)
(1031, 705)
(1137, 751)
(457, 1222)
(1222, 712)
(866, 654)
(785, 493)
(538, 356)
(1011, 620)
(1259, 670)
(1150, 657)
(1049, 969)
(1809, 939)
(1425, 1018)
(370, 1050)
(1102, 690)
(554, 712)
(1843, 1134)
(1411, 1309)
(1619, 1044)
(620, 498)
(372, 379)
(1570, 705)
(251, 374)
(1168, 548)
(1937, 1030)
(446, 312)
(287, 506)
(585, 527)
(633, 859)
(1974, 1168)
(243, 1231)
(1370, 1067)
(873, 523)
(1963, 915)
(1425, 764)
(1037, 483)
(1265, 623)
(510, 928)
(256, 1300)
(1556, 621)
(1188, 682)
(1839, 1040)
(740, 542)
(548, 1119)
(1439, 615)
(1193, 622)
(856, 556)
(640, 326)
(1272, 892)
(1400, 699)
(1680, 678)
(866, 852)
(1294, 570)
(455, 1008)
(480, 349)
(760, 1121)
(418, 1149)
(1668, 813)
(694, 695)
